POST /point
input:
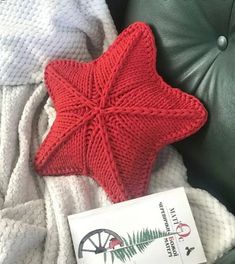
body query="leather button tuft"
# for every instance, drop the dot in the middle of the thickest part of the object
(222, 42)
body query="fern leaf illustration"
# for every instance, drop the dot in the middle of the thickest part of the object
(136, 243)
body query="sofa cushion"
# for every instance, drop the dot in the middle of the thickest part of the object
(196, 42)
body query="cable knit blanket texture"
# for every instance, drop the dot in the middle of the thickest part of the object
(33, 210)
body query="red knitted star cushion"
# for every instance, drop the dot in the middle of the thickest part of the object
(113, 115)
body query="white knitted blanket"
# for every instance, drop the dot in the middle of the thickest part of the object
(33, 210)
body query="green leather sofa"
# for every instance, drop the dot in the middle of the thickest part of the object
(196, 52)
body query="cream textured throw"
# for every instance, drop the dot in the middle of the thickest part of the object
(33, 210)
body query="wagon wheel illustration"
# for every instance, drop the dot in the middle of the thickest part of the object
(98, 241)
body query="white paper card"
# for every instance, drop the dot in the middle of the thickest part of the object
(157, 228)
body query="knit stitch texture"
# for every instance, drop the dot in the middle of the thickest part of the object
(33, 210)
(113, 115)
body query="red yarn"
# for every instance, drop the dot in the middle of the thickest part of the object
(114, 114)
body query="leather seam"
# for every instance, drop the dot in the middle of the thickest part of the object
(230, 19)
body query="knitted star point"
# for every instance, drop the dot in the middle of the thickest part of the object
(113, 115)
